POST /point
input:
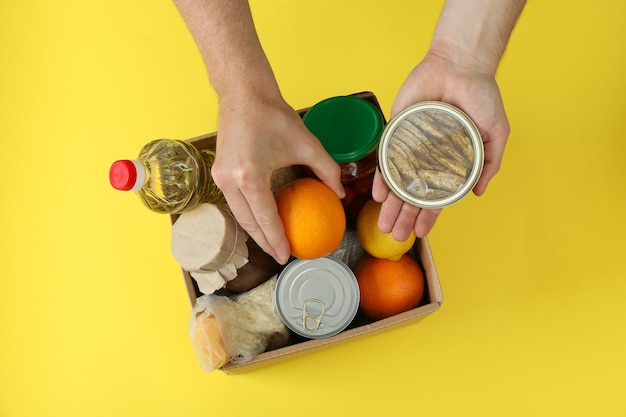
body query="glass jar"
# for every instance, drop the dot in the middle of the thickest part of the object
(349, 128)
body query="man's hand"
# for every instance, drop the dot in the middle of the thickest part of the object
(254, 139)
(459, 69)
(477, 94)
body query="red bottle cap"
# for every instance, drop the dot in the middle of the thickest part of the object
(123, 175)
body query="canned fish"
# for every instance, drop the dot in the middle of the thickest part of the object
(431, 154)
(317, 298)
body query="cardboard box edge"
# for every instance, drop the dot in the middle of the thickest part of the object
(400, 320)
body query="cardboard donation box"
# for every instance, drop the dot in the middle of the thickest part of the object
(360, 326)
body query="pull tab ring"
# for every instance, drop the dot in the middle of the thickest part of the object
(312, 322)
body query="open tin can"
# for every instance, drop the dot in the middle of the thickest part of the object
(431, 154)
(317, 298)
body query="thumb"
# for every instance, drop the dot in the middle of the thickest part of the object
(325, 167)
(329, 172)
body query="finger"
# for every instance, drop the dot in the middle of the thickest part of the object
(258, 216)
(239, 207)
(263, 205)
(379, 188)
(328, 171)
(494, 144)
(490, 169)
(313, 155)
(425, 221)
(405, 222)
(389, 213)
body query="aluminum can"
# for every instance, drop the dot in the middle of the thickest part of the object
(317, 298)
(431, 154)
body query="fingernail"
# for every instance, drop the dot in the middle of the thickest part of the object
(342, 191)
(282, 257)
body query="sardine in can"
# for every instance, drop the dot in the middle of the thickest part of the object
(317, 298)
(431, 154)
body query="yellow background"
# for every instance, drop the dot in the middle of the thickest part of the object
(93, 310)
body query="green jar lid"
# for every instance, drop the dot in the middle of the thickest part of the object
(349, 127)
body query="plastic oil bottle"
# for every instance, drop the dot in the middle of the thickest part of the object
(170, 176)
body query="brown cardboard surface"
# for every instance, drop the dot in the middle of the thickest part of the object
(432, 298)
(432, 303)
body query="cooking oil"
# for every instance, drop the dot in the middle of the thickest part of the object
(170, 176)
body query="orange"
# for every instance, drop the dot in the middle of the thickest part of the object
(375, 242)
(389, 287)
(313, 217)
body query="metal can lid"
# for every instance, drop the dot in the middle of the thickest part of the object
(431, 154)
(348, 127)
(317, 298)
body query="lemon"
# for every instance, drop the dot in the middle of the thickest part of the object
(376, 243)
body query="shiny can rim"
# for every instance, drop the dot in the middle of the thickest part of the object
(317, 298)
(477, 165)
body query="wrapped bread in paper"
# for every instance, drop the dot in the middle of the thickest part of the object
(236, 329)
(208, 242)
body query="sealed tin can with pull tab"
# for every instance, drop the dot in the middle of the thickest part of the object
(317, 298)
(431, 154)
